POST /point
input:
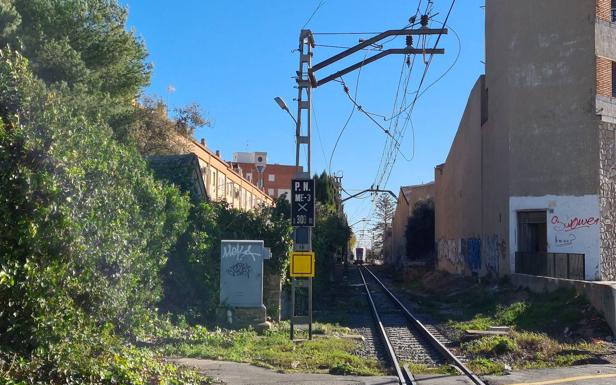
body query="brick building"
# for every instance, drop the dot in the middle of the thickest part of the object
(274, 180)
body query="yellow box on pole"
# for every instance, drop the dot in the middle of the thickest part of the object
(302, 264)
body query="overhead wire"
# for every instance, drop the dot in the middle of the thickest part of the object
(314, 13)
(384, 177)
(394, 131)
(349, 118)
(316, 124)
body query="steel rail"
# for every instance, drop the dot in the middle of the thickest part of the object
(433, 340)
(390, 348)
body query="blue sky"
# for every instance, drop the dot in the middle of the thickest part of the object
(233, 58)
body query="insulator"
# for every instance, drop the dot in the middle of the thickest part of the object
(409, 40)
(424, 20)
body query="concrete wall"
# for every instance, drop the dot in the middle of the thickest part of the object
(458, 192)
(542, 133)
(540, 73)
(529, 138)
(407, 198)
(601, 295)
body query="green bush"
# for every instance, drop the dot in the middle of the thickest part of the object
(85, 228)
(192, 274)
(491, 346)
(113, 364)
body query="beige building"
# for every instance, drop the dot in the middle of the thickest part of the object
(408, 197)
(529, 182)
(225, 184)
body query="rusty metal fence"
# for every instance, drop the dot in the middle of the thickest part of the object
(557, 265)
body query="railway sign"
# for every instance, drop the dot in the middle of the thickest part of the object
(302, 264)
(302, 202)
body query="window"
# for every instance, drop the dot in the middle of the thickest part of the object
(249, 176)
(270, 192)
(271, 178)
(613, 11)
(222, 186)
(532, 231)
(614, 79)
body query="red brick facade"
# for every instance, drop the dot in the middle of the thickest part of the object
(276, 177)
(604, 9)
(604, 77)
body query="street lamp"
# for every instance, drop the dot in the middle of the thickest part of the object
(283, 106)
(359, 221)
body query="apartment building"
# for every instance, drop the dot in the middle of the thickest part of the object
(273, 179)
(529, 183)
(223, 183)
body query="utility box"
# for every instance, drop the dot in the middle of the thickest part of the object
(241, 284)
(241, 272)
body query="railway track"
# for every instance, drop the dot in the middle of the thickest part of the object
(404, 336)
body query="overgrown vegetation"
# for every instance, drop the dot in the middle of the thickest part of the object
(329, 352)
(91, 244)
(547, 330)
(85, 227)
(331, 234)
(85, 230)
(419, 231)
(191, 277)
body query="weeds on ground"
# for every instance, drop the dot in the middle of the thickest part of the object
(416, 368)
(548, 330)
(527, 350)
(550, 313)
(329, 351)
(115, 363)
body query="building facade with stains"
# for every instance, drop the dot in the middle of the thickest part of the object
(529, 183)
(223, 183)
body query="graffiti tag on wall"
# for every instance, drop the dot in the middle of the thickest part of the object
(449, 256)
(239, 269)
(494, 250)
(564, 230)
(471, 250)
(240, 252)
(574, 223)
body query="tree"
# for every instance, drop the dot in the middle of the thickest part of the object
(155, 133)
(332, 233)
(327, 191)
(83, 44)
(420, 231)
(85, 227)
(384, 207)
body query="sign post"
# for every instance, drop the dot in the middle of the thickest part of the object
(302, 258)
(302, 202)
(302, 188)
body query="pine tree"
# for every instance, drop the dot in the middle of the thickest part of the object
(384, 207)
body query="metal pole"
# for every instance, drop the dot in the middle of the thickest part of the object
(304, 104)
(292, 305)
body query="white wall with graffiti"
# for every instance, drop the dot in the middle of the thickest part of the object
(573, 224)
